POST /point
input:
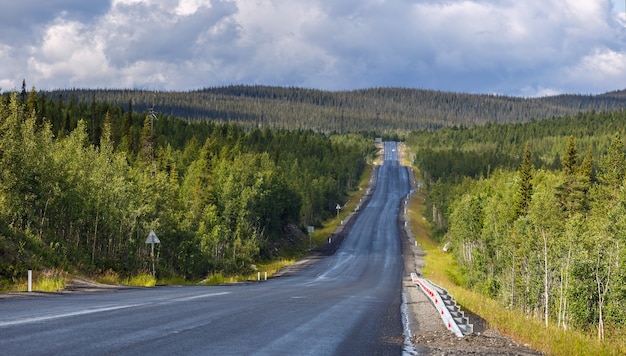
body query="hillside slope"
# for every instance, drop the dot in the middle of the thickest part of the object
(381, 110)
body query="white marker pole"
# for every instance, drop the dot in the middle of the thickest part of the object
(30, 280)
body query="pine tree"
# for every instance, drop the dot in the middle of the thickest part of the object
(525, 191)
(613, 166)
(570, 157)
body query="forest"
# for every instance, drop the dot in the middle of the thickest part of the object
(391, 112)
(83, 183)
(528, 193)
(535, 214)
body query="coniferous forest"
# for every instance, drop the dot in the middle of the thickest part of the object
(385, 111)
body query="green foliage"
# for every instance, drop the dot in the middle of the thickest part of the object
(217, 196)
(141, 280)
(525, 191)
(570, 157)
(50, 281)
(109, 277)
(215, 279)
(546, 241)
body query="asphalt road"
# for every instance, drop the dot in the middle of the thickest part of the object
(346, 304)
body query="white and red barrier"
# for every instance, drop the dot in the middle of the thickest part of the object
(450, 313)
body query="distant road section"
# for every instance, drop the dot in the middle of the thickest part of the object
(345, 304)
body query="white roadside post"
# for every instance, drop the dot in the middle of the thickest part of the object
(30, 280)
(311, 229)
(152, 239)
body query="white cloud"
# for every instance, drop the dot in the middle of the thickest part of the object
(190, 7)
(602, 68)
(69, 50)
(529, 48)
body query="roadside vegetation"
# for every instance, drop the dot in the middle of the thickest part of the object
(81, 194)
(536, 233)
(441, 268)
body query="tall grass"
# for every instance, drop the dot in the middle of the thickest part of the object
(109, 277)
(43, 281)
(50, 281)
(441, 268)
(141, 280)
(528, 330)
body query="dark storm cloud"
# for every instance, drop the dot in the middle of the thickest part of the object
(534, 47)
(20, 20)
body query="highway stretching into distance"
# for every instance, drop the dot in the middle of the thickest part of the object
(345, 304)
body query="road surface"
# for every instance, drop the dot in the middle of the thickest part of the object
(346, 304)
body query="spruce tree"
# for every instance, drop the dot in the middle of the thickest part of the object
(570, 157)
(525, 191)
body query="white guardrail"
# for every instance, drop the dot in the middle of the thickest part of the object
(453, 318)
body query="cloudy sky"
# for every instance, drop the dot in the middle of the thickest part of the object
(512, 47)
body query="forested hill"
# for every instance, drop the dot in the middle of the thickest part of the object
(381, 110)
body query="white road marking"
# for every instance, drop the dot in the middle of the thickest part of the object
(64, 315)
(100, 310)
(199, 296)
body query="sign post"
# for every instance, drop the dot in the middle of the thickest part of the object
(152, 239)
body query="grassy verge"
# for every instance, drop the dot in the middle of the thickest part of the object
(141, 280)
(43, 281)
(441, 268)
(268, 267)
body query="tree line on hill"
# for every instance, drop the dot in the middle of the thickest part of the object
(386, 111)
(535, 214)
(82, 184)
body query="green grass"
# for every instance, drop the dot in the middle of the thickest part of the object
(49, 281)
(144, 279)
(176, 280)
(215, 279)
(109, 277)
(50, 284)
(551, 340)
(441, 268)
(269, 267)
(141, 280)
(43, 281)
